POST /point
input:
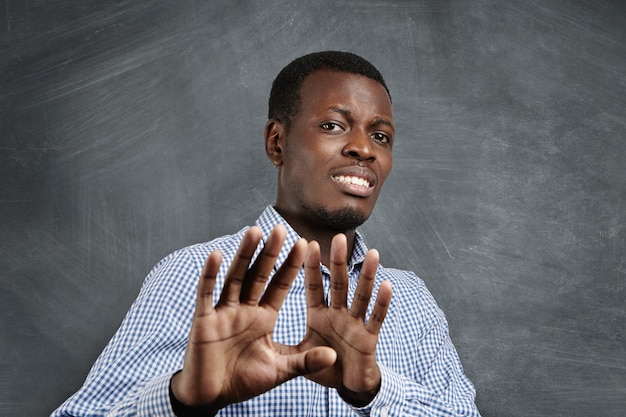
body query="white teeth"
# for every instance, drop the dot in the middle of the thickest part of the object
(353, 180)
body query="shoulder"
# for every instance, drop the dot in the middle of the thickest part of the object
(411, 299)
(197, 253)
(404, 282)
(179, 271)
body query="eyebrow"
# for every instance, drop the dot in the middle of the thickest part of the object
(348, 113)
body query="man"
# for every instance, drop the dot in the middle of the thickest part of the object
(284, 320)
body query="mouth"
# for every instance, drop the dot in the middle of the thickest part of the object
(351, 180)
(358, 182)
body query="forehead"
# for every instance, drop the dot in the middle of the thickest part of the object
(327, 88)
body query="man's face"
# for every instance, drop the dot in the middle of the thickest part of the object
(337, 153)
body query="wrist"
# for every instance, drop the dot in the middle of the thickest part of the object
(183, 410)
(358, 399)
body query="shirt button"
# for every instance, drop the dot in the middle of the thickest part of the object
(384, 412)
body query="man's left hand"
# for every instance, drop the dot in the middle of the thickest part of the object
(355, 374)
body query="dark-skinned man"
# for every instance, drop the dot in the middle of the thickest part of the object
(293, 316)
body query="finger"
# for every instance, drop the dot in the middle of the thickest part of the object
(339, 272)
(256, 277)
(381, 306)
(239, 267)
(206, 283)
(313, 277)
(310, 361)
(363, 291)
(278, 287)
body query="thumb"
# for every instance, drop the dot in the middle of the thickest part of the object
(313, 360)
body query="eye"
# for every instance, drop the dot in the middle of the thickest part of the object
(331, 126)
(381, 137)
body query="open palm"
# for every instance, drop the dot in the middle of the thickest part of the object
(355, 374)
(230, 356)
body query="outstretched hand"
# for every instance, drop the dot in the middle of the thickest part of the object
(230, 356)
(355, 374)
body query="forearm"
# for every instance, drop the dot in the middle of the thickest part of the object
(402, 396)
(149, 398)
(131, 376)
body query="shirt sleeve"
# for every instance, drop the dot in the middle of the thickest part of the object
(420, 369)
(131, 376)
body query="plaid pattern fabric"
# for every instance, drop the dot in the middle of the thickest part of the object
(421, 371)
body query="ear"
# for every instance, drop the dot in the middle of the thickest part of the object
(274, 136)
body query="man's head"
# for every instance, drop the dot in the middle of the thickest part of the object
(331, 140)
(285, 98)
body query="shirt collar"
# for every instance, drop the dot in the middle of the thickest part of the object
(270, 218)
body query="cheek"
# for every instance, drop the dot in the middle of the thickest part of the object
(298, 171)
(308, 162)
(385, 168)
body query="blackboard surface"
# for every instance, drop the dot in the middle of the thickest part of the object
(129, 129)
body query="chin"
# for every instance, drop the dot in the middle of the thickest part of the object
(341, 220)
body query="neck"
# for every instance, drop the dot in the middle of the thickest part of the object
(312, 231)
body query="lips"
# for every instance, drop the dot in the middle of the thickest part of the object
(357, 181)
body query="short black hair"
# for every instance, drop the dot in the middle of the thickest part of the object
(285, 98)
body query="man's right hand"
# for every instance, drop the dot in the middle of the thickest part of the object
(230, 356)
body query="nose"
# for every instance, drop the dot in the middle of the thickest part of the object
(359, 146)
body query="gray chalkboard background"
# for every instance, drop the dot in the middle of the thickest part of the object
(131, 128)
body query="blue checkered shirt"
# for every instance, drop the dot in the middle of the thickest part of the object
(421, 371)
